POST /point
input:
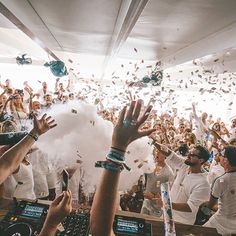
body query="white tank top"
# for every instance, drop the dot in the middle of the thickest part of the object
(25, 182)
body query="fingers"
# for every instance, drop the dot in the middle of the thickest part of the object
(146, 132)
(130, 111)
(121, 116)
(162, 148)
(52, 126)
(66, 199)
(43, 117)
(34, 117)
(50, 122)
(137, 109)
(70, 199)
(58, 199)
(48, 118)
(145, 115)
(157, 145)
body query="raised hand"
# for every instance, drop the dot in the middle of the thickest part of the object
(59, 209)
(160, 147)
(214, 133)
(44, 124)
(128, 126)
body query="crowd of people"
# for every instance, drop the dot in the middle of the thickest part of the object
(196, 156)
(36, 177)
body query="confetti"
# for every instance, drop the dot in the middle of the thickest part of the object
(135, 49)
(74, 111)
(140, 165)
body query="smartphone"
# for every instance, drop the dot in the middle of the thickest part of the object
(65, 180)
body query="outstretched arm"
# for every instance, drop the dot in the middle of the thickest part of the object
(11, 159)
(125, 132)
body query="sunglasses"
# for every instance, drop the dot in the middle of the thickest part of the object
(221, 153)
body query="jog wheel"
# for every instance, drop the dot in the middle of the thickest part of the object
(19, 229)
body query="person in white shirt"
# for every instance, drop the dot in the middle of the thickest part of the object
(180, 132)
(201, 125)
(43, 91)
(25, 181)
(42, 168)
(215, 170)
(223, 192)
(190, 187)
(232, 131)
(161, 174)
(76, 175)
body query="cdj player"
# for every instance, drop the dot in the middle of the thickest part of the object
(26, 219)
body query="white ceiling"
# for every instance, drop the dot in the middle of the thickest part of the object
(97, 34)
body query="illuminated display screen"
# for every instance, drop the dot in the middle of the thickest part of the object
(32, 211)
(127, 226)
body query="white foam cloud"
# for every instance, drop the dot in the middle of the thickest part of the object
(90, 135)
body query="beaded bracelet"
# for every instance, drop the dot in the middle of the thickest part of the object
(109, 166)
(117, 158)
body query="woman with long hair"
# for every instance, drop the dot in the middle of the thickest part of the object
(18, 111)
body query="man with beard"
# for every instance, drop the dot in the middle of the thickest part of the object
(190, 188)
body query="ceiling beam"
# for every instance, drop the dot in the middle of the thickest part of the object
(214, 43)
(14, 20)
(128, 14)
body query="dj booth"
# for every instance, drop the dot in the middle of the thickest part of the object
(26, 219)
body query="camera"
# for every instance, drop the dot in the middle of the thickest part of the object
(13, 97)
(183, 149)
(9, 90)
(19, 91)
